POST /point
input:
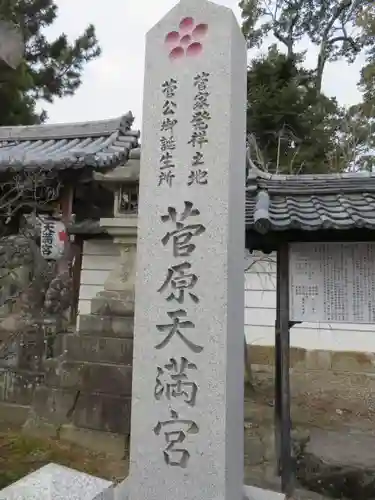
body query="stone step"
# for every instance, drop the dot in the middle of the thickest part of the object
(100, 412)
(96, 349)
(106, 326)
(91, 377)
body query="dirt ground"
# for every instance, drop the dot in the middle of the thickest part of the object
(20, 455)
(341, 402)
(319, 400)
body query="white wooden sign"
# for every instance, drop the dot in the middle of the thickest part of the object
(53, 236)
(332, 282)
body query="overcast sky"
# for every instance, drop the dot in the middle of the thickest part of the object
(112, 85)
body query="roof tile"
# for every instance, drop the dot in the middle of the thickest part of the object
(97, 144)
(308, 203)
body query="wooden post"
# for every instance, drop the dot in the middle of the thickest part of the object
(277, 408)
(77, 250)
(287, 479)
(66, 204)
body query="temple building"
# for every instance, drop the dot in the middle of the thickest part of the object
(83, 177)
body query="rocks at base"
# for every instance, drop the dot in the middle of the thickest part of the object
(338, 464)
(56, 482)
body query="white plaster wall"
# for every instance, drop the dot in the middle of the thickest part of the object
(98, 259)
(260, 314)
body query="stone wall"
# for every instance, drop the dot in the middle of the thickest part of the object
(33, 300)
(86, 394)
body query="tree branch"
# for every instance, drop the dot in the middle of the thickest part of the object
(322, 57)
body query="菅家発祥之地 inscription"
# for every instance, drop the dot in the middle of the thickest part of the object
(198, 173)
(201, 115)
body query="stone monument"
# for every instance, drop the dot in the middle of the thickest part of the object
(187, 426)
(187, 398)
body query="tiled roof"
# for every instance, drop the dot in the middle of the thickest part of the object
(309, 202)
(99, 144)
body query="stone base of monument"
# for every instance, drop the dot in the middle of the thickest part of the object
(250, 493)
(55, 482)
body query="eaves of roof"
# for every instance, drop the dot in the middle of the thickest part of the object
(99, 145)
(308, 202)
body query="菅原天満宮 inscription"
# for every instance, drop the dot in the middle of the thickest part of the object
(174, 455)
(178, 383)
(172, 379)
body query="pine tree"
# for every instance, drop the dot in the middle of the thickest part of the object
(50, 68)
(297, 129)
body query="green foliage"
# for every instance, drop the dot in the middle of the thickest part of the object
(362, 116)
(328, 24)
(367, 83)
(17, 105)
(52, 68)
(296, 128)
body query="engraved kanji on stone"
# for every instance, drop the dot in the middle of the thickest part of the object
(174, 454)
(200, 119)
(174, 329)
(169, 88)
(169, 108)
(179, 280)
(198, 138)
(166, 160)
(198, 177)
(167, 143)
(166, 177)
(182, 234)
(178, 384)
(198, 159)
(201, 101)
(168, 124)
(201, 81)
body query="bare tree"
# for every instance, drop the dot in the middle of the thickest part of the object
(330, 25)
(26, 190)
(24, 275)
